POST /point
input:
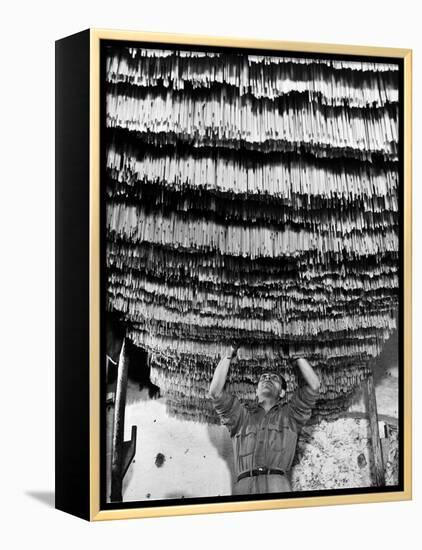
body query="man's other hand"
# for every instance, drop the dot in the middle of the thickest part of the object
(234, 346)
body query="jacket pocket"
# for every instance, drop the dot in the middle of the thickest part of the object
(281, 446)
(276, 437)
(246, 441)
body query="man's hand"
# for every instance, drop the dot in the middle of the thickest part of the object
(220, 373)
(285, 350)
(289, 353)
(308, 373)
(233, 350)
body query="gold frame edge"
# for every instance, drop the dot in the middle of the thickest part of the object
(96, 514)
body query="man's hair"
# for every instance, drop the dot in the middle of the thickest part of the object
(280, 377)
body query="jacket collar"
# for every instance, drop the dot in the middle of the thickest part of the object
(255, 406)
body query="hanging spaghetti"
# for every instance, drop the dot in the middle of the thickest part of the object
(252, 198)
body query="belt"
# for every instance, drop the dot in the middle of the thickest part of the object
(260, 472)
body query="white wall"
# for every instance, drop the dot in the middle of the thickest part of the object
(198, 457)
(27, 204)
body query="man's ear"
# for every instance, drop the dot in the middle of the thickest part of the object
(282, 393)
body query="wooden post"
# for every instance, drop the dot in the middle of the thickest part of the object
(375, 436)
(119, 426)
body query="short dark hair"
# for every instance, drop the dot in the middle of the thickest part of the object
(283, 382)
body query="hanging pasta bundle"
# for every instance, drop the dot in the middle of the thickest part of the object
(252, 199)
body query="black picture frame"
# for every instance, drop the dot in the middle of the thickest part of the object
(81, 141)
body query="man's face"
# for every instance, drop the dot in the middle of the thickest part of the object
(269, 385)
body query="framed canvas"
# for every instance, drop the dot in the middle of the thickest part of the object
(233, 274)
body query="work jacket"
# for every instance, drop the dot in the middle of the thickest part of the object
(265, 439)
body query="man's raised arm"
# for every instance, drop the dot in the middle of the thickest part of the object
(304, 399)
(308, 373)
(220, 374)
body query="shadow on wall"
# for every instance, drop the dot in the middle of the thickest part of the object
(388, 360)
(385, 371)
(45, 497)
(139, 369)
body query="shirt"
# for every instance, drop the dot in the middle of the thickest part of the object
(265, 439)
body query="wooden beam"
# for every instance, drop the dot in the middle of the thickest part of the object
(375, 436)
(119, 426)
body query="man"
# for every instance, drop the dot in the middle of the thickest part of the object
(264, 435)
